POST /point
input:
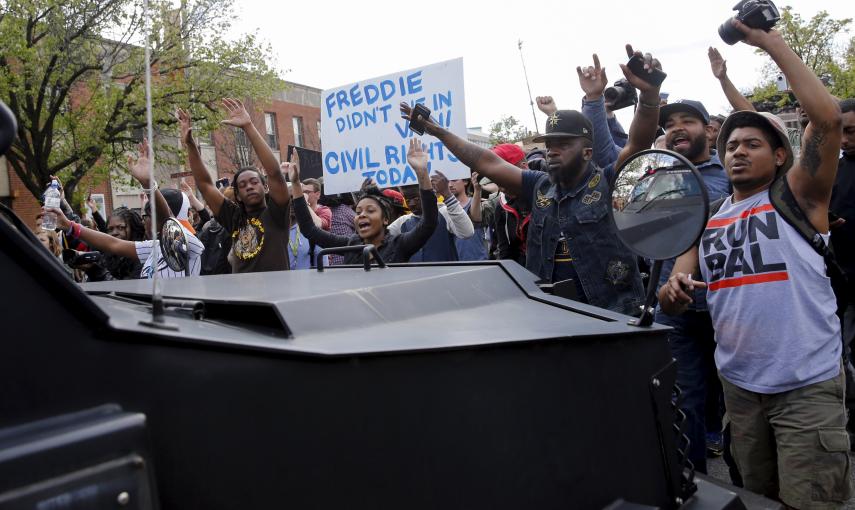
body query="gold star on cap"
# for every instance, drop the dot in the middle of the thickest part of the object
(553, 120)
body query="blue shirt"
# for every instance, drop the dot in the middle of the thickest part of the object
(474, 247)
(298, 250)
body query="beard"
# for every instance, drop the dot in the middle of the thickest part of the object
(568, 171)
(697, 148)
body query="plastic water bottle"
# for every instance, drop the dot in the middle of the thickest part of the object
(53, 198)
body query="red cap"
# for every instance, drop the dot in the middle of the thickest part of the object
(396, 196)
(510, 152)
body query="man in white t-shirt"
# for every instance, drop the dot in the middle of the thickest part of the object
(778, 340)
(142, 250)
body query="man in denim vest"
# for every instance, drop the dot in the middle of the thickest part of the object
(570, 235)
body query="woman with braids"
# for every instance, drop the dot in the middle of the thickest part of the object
(127, 225)
(373, 213)
(257, 219)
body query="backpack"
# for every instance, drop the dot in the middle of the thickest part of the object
(785, 204)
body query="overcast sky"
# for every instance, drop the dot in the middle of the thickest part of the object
(325, 44)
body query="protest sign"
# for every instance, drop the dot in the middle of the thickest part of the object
(363, 134)
(310, 162)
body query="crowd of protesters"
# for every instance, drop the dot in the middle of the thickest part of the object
(762, 361)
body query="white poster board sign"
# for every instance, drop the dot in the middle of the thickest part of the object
(364, 135)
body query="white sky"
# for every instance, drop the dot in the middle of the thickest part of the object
(326, 44)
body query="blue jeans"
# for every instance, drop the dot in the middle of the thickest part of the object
(692, 345)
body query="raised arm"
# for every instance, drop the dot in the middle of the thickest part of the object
(458, 222)
(239, 117)
(206, 186)
(719, 69)
(475, 208)
(482, 160)
(811, 177)
(645, 122)
(141, 172)
(412, 241)
(97, 240)
(593, 81)
(307, 226)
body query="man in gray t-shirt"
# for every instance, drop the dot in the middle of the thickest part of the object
(778, 340)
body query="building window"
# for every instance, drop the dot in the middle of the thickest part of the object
(272, 132)
(298, 131)
(242, 152)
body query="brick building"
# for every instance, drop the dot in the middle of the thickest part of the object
(290, 117)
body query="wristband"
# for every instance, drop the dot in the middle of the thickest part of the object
(648, 105)
(73, 230)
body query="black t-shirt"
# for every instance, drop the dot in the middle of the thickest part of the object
(843, 204)
(259, 240)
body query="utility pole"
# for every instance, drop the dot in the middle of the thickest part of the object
(531, 101)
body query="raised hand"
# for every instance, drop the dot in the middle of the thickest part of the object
(140, 168)
(593, 79)
(546, 105)
(236, 114)
(185, 126)
(367, 184)
(440, 184)
(758, 37)
(650, 64)
(291, 168)
(58, 181)
(407, 113)
(717, 63)
(476, 181)
(416, 155)
(91, 204)
(184, 187)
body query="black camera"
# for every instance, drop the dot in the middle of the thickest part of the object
(754, 13)
(75, 259)
(620, 95)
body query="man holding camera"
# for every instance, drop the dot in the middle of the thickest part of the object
(570, 236)
(773, 310)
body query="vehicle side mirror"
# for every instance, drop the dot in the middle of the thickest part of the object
(659, 210)
(173, 245)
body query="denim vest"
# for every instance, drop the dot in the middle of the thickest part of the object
(607, 269)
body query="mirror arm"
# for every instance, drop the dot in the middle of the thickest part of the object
(649, 307)
(368, 250)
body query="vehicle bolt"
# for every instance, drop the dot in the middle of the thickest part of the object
(679, 501)
(656, 383)
(123, 499)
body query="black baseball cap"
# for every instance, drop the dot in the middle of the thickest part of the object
(689, 106)
(567, 124)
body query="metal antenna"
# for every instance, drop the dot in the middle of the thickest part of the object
(525, 73)
(156, 294)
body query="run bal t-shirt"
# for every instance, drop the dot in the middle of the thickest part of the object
(772, 306)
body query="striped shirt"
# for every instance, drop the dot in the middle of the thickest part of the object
(147, 254)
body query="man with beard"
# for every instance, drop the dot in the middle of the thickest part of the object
(688, 132)
(570, 236)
